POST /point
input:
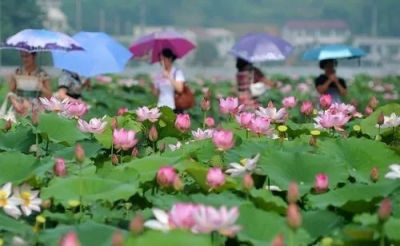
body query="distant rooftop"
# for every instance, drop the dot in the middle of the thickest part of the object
(316, 24)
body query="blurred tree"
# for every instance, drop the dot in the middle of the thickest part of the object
(206, 54)
(16, 16)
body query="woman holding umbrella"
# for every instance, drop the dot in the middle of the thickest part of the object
(170, 81)
(329, 83)
(28, 84)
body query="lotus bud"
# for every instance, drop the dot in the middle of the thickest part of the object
(135, 152)
(46, 204)
(381, 119)
(205, 105)
(207, 95)
(177, 184)
(79, 153)
(385, 210)
(293, 217)
(278, 240)
(313, 141)
(117, 239)
(60, 168)
(114, 123)
(153, 134)
(70, 239)
(374, 175)
(8, 125)
(114, 159)
(248, 182)
(373, 103)
(34, 118)
(136, 225)
(162, 147)
(293, 193)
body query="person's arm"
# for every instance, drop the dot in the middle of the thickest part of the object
(154, 90)
(177, 80)
(19, 107)
(341, 85)
(259, 75)
(322, 84)
(46, 89)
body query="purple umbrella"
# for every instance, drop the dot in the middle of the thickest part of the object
(260, 47)
(148, 47)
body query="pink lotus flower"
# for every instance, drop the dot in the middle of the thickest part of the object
(215, 177)
(230, 105)
(325, 101)
(144, 113)
(260, 126)
(166, 176)
(60, 168)
(70, 239)
(210, 122)
(321, 183)
(182, 122)
(342, 107)
(122, 111)
(201, 135)
(331, 120)
(95, 125)
(289, 102)
(307, 108)
(153, 134)
(244, 119)
(76, 108)
(303, 88)
(54, 104)
(270, 112)
(181, 215)
(373, 103)
(293, 216)
(223, 220)
(286, 89)
(223, 140)
(124, 139)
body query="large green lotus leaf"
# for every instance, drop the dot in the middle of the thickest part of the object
(11, 225)
(20, 139)
(248, 149)
(265, 200)
(356, 198)
(320, 223)
(391, 229)
(224, 198)
(366, 219)
(166, 201)
(368, 125)
(260, 227)
(16, 167)
(235, 128)
(90, 187)
(89, 233)
(59, 130)
(283, 167)
(199, 174)
(360, 156)
(148, 166)
(105, 138)
(175, 238)
(91, 149)
(359, 235)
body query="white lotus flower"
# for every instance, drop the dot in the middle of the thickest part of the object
(395, 173)
(28, 199)
(9, 204)
(238, 169)
(273, 188)
(390, 122)
(161, 223)
(175, 147)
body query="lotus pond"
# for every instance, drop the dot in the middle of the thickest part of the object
(127, 173)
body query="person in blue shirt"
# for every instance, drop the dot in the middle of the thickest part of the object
(329, 82)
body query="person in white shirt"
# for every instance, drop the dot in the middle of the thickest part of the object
(171, 80)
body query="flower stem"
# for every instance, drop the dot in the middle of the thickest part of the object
(394, 135)
(247, 134)
(204, 119)
(120, 157)
(382, 240)
(37, 144)
(292, 238)
(80, 194)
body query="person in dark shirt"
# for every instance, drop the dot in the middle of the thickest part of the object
(329, 83)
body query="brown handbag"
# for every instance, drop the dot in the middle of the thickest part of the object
(184, 100)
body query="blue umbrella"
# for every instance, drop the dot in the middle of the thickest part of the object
(336, 51)
(260, 47)
(102, 55)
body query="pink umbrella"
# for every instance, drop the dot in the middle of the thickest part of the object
(148, 47)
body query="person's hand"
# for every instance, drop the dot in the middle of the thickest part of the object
(333, 78)
(19, 107)
(165, 74)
